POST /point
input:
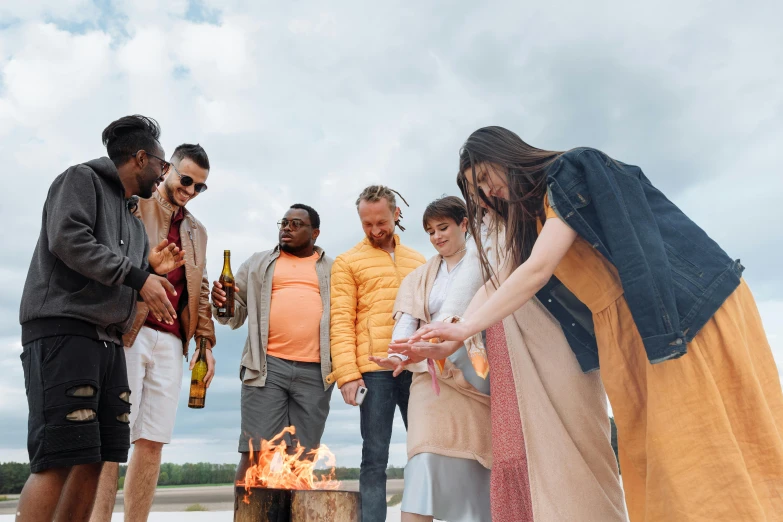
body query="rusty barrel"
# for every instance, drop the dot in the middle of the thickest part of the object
(294, 505)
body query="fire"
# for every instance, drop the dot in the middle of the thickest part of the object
(277, 466)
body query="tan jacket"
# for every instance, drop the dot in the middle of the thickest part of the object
(252, 304)
(195, 313)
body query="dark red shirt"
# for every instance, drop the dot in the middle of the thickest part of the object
(176, 278)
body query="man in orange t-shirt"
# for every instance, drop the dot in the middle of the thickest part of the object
(283, 294)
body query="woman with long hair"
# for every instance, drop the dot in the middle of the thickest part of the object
(561, 465)
(683, 354)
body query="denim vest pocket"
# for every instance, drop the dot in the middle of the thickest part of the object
(685, 274)
(577, 193)
(567, 200)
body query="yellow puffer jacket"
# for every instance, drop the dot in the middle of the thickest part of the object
(363, 289)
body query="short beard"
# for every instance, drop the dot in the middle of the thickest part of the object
(379, 243)
(292, 250)
(146, 188)
(146, 191)
(169, 194)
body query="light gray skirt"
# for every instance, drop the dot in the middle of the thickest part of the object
(447, 488)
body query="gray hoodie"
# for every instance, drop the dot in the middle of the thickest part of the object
(90, 260)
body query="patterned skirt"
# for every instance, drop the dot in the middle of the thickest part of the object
(510, 495)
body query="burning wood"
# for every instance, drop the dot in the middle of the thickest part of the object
(286, 505)
(280, 467)
(279, 482)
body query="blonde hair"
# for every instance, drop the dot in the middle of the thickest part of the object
(375, 193)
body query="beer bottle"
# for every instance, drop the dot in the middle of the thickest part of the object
(198, 388)
(227, 282)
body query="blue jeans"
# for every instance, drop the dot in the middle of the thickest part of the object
(384, 393)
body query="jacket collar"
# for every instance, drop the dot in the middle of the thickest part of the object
(318, 250)
(367, 242)
(171, 208)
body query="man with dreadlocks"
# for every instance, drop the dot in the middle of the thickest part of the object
(364, 287)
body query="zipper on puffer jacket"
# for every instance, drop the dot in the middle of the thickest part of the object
(369, 335)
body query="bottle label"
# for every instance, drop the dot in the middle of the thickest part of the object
(199, 371)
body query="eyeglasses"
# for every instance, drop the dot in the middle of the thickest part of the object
(165, 165)
(293, 224)
(187, 181)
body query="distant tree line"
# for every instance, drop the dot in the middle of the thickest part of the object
(353, 473)
(14, 474)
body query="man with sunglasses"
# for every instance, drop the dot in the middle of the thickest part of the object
(88, 269)
(154, 349)
(283, 294)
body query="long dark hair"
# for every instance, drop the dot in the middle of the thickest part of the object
(525, 167)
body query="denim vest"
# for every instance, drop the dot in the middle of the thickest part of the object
(674, 276)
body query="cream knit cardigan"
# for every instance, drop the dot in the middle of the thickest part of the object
(457, 422)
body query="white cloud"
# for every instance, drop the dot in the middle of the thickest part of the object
(66, 10)
(51, 70)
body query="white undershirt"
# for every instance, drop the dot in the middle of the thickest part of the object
(407, 325)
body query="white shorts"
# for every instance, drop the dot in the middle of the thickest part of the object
(155, 378)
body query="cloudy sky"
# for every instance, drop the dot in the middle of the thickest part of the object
(309, 102)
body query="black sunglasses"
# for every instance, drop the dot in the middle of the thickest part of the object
(187, 181)
(165, 165)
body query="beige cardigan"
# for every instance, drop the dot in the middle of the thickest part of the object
(457, 422)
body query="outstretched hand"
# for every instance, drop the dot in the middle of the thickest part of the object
(434, 351)
(420, 350)
(440, 331)
(166, 257)
(395, 364)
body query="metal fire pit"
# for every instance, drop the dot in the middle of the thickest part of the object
(296, 505)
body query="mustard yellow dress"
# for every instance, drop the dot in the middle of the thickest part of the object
(700, 438)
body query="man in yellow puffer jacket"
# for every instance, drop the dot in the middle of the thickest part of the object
(364, 286)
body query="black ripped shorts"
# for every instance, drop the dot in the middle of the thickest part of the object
(79, 401)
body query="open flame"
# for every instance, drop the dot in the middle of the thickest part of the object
(277, 466)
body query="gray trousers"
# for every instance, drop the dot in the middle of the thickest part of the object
(294, 395)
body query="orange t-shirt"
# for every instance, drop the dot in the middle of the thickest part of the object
(295, 310)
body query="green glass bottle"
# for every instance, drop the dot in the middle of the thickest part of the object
(198, 388)
(227, 282)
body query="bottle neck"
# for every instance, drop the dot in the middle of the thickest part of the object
(226, 263)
